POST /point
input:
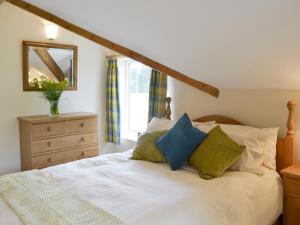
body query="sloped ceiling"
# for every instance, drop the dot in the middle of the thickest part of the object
(229, 44)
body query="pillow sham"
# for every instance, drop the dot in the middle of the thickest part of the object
(195, 124)
(206, 127)
(145, 148)
(216, 154)
(157, 124)
(271, 135)
(179, 142)
(268, 137)
(252, 158)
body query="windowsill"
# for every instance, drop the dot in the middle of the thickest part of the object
(125, 140)
(130, 136)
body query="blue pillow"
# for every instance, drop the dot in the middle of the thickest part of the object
(178, 144)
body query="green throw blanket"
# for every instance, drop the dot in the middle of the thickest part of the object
(38, 200)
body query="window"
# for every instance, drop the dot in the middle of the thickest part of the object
(134, 93)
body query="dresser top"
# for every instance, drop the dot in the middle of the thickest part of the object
(61, 117)
(292, 171)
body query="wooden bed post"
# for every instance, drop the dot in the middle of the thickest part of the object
(291, 120)
(290, 139)
(168, 108)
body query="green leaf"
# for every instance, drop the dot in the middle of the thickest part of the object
(51, 90)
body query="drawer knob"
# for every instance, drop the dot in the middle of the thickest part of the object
(50, 160)
(83, 153)
(82, 139)
(82, 125)
(49, 144)
(49, 129)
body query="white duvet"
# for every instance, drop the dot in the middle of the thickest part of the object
(143, 193)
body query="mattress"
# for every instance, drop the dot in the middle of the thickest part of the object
(144, 193)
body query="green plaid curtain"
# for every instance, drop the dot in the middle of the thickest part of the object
(112, 125)
(157, 94)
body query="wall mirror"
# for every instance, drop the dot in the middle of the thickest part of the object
(53, 61)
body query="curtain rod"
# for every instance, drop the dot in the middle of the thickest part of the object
(115, 56)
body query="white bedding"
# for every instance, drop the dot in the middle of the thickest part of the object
(143, 193)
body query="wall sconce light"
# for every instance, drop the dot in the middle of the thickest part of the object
(51, 31)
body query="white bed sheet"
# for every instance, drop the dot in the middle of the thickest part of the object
(143, 193)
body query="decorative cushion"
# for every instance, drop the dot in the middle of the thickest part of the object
(179, 142)
(216, 154)
(145, 148)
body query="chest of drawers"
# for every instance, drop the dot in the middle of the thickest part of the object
(291, 195)
(47, 141)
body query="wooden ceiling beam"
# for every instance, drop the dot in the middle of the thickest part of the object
(47, 59)
(116, 47)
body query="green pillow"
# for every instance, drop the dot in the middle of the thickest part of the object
(216, 154)
(145, 148)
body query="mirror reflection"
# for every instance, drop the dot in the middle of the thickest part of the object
(53, 62)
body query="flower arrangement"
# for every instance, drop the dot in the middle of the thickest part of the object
(51, 91)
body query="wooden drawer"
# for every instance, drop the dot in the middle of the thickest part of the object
(75, 126)
(292, 211)
(52, 144)
(292, 186)
(42, 161)
(48, 129)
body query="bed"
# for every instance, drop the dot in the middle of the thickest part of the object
(144, 193)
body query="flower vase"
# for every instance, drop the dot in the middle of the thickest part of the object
(54, 112)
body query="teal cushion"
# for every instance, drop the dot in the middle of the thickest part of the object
(145, 148)
(216, 154)
(179, 142)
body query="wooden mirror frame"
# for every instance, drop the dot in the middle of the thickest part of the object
(27, 44)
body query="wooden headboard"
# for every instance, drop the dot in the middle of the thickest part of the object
(286, 146)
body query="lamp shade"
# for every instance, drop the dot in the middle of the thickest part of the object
(51, 31)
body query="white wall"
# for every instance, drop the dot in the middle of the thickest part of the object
(259, 108)
(17, 25)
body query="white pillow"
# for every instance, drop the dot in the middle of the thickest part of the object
(270, 150)
(157, 124)
(260, 146)
(195, 124)
(205, 127)
(252, 159)
(260, 136)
